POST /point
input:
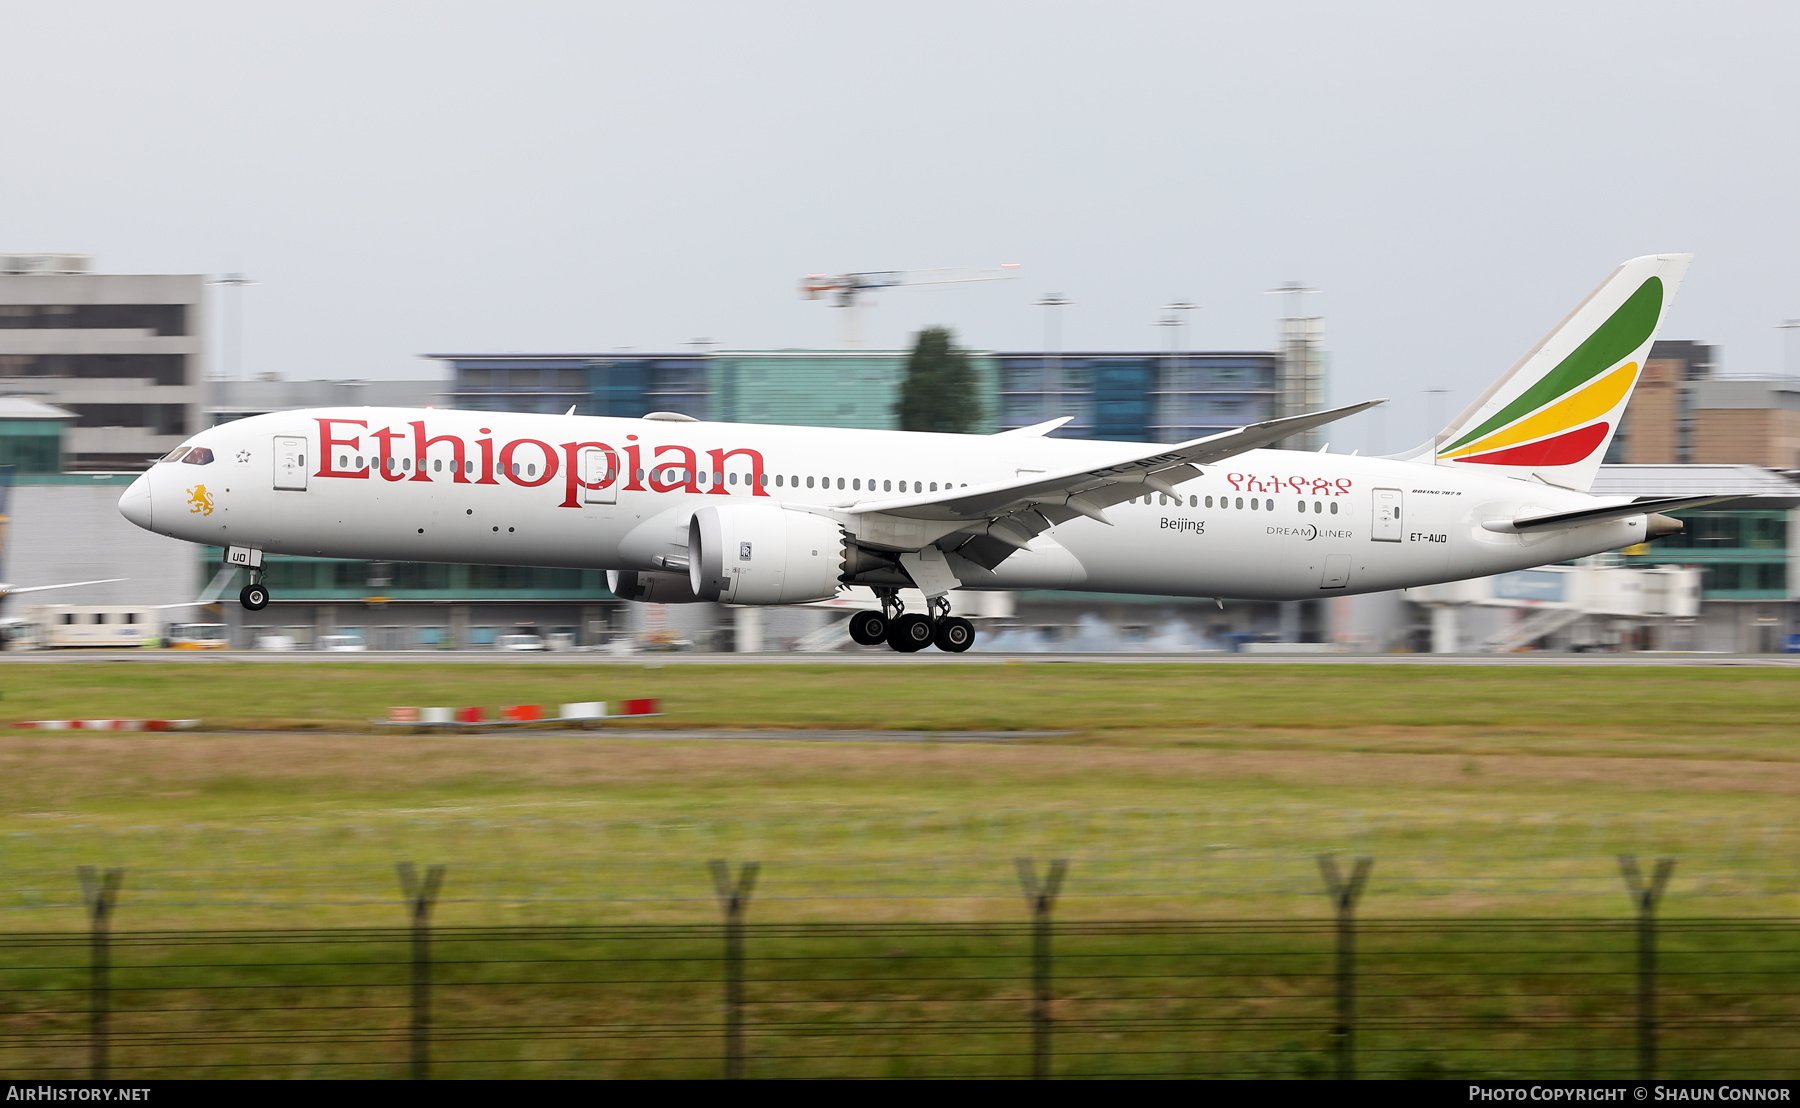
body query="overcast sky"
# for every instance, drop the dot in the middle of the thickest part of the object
(405, 178)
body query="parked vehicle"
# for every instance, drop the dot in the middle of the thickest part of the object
(663, 642)
(65, 625)
(520, 642)
(199, 636)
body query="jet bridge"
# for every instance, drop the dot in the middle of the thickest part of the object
(1551, 599)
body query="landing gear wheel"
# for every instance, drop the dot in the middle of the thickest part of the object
(254, 597)
(868, 628)
(910, 632)
(954, 635)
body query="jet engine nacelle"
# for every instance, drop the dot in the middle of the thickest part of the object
(763, 554)
(650, 588)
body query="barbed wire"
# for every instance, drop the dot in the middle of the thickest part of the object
(1482, 997)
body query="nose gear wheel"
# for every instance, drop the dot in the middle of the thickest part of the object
(254, 596)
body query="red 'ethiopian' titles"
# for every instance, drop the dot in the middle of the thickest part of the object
(528, 463)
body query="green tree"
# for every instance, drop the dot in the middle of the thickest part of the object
(941, 391)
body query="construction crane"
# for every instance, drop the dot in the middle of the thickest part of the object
(846, 289)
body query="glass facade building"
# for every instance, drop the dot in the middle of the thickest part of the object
(1743, 552)
(624, 385)
(1130, 396)
(31, 435)
(1137, 397)
(417, 605)
(823, 388)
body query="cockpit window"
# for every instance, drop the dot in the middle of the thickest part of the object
(174, 455)
(198, 456)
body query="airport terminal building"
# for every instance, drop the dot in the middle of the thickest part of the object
(122, 354)
(1124, 396)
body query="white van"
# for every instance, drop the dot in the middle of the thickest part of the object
(108, 625)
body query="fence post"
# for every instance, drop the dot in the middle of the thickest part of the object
(1344, 895)
(1645, 896)
(100, 891)
(734, 896)
(420, 896)
(1041, 897)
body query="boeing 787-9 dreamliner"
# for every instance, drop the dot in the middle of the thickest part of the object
(679, 510)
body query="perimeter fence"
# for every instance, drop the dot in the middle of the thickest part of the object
(1628, 997)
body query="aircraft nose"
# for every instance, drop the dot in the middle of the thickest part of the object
(135, 504)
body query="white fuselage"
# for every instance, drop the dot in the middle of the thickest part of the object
(496, 488)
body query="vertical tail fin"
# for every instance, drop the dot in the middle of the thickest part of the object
(1553, 414)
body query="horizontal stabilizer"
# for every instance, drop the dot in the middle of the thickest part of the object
(1559, 521)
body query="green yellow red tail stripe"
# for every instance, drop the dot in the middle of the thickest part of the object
(1553, 414)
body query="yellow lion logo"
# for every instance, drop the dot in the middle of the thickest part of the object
(199, 500)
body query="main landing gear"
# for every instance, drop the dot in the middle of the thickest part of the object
(908, 632)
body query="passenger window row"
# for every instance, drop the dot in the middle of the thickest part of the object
(782, 480)
(705, 477)
(437, 465)
(1229, 502)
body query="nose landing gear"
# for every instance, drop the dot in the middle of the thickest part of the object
(254, 596)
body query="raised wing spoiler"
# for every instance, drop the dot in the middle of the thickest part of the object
(1646, 505)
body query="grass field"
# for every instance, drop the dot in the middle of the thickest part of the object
(1178, 790)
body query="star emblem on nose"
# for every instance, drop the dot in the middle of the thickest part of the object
(243, 456)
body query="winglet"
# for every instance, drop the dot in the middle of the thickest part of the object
(1035, 431)
(1256, 435)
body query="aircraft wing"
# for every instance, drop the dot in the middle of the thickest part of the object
(1016, 511)
(1645, 505)
(14, 590)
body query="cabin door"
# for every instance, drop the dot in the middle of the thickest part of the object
(1388, 524)
(290, 462)
(596, 467)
